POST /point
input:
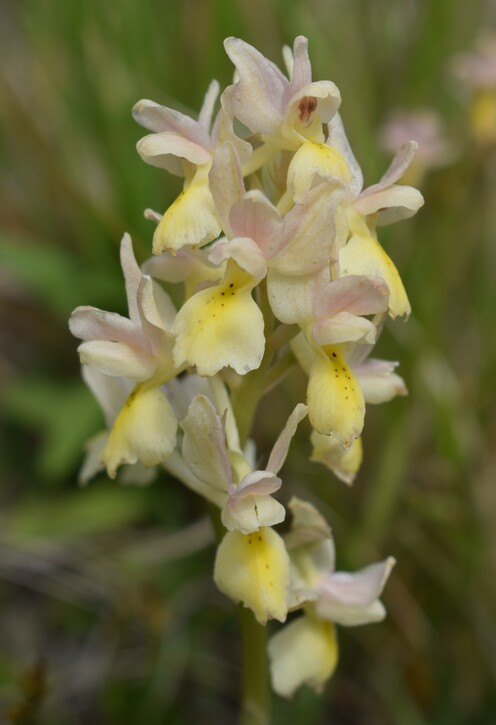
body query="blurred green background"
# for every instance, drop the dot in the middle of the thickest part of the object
(108, 613)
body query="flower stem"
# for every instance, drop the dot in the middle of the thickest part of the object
(255, 708)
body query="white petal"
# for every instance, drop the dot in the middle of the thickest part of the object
(116, 358)
(180, 392)
(361, 588)
(399, 164)
(223, 131)
(245, 252)
(256, 98)
(187, 265)
(307, 527)
(226, 183)
(207, 109)
(308, 234)
(292, 298)
(247, 515)
(110, 392)
(204, 448)
(162, 150)
(393, 203)
(338, 140)
(343, 327)
(257, 483)
(379, 382)
(90, 323)
(281, 446)
(132, 276)
(159, 119)
(301, 72)
(255, 217)
(358, 294)
(350, 615)
(158, 314)
(352, 599)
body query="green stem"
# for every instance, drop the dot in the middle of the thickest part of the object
(256, 692)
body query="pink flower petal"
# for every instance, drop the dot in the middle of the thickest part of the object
(256, 98)
(281, 446)
(360, 588)
(158, 118)
(357, 294)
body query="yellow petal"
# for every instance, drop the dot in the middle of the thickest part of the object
(303, 652)
(483, 117)
(315, 160)
(254, 569)
(364, 255)
(191, 218)
(335, 401)
(144, 431)
(344, 463)
(221, 326)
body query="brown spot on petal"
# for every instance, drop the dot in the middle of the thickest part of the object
(306, 107)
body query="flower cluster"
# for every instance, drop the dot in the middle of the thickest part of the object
(274, 241)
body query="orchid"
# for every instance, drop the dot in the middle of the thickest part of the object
(138, 349)
(185, 147)
(285, 112)
(249, 503)
(273, 245)
(330, 597)
(338, 374)
(357, 249)
(259, 580)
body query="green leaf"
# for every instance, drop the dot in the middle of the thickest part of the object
(64, 413)
(55, 277)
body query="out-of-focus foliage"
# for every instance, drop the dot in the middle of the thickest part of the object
(108, 610)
